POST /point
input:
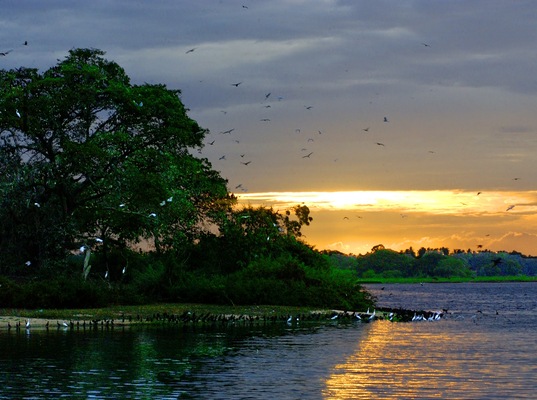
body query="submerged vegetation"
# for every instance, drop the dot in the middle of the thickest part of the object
(103, 201)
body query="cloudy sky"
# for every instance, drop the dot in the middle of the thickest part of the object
(387, 118)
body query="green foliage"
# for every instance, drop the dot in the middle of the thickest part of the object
(59, 292)
(291, 282)
(87, 154)
(94, 167)
(384, 260)
(451, 267)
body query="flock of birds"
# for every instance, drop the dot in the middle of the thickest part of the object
(187, 317)
(307, 152)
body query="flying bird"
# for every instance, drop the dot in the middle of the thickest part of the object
(307, 155)
(267, 95)
(510, 207)
(211, 143)
(5, 53)
(308, 107)
(380, 144)
(478, 193)
(222, 158)
(265, 119)
(191, 50)
(236, 84)
(366, 129)
(386, 119)
(245, 163)
(228, 131)
(426, 45)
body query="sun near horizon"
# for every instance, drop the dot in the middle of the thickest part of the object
(355, 221)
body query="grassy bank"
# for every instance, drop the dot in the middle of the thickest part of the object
(151, 312)
(514, 278)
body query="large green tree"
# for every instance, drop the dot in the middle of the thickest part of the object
(87, 158)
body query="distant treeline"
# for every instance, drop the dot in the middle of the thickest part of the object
(434, 263)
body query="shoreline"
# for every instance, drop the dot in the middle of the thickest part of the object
(187, 318)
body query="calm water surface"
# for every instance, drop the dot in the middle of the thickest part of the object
(485, 348)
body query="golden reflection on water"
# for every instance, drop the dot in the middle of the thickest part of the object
(400, 361)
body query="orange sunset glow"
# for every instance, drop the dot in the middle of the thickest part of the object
(385, 118)
(353, 222)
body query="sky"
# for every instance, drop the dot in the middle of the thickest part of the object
(402, 123)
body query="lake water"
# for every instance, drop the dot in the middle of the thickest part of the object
(485, 347)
